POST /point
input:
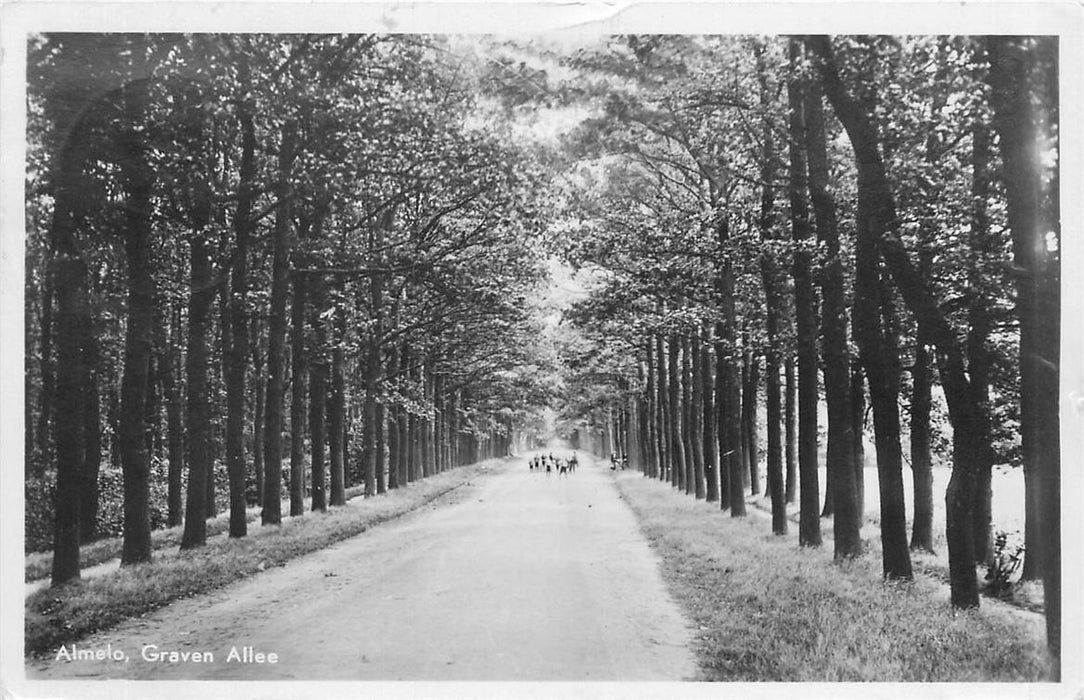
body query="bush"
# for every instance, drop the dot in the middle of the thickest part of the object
(38, 496)
(1005, 563)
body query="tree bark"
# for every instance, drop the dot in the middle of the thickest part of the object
(971, 431)
(238, 351)
(318, 375)
(790, 412)
(197, 367)
(92, 432)
(983, 287)
(749, 420)
(135, 462)
(48, 383)
(858, 417)
(72, 323)
(393, 425)
(709, 421)
(299, 368)
(921, 461)
(883, 373)
(258, 425)
(380, 448)
(405, 432)
(696, 414)
(666, 459)
(847, 518)
(805, 313)
(1024, 82)
(174, 418)
(276, 336)
(677, 438)
(729, 366)
(773, 302)
(336, 417)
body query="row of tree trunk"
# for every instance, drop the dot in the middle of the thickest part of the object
(691, 422)
(394, 445)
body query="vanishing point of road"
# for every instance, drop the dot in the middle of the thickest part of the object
(519, 576)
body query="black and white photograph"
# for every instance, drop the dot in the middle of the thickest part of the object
(592, 350)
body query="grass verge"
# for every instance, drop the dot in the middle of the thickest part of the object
(56, 616)
(39, 565)
(767, 610)
(1026, 595)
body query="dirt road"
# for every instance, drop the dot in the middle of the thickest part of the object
(525, 576)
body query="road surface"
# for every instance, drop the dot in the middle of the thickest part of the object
(521, 576)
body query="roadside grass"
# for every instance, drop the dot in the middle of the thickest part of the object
(766, 609)
(1026, 595)
(60, 615)
(39, 565)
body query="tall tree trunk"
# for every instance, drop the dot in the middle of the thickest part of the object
(336, 417)
(984, 287)
(150, 405)
(666, 459)
(380, 448)
(219, 351)
(878, 222)
(728, 365)
(299, 364)
(858, 418)
(921, 460)
(174, 415)
(749, 419)
(276, 336)
(676, 409)
(430, 426)
(197, 367)
(687, 409)
(648, 408)
(238, 351)
(92, 434)
(1024, 83)
(847, 518)
(805, 313)
(258, 424)
(405, 433)
(72, 324)
(922, 380)
(790, 422)
(393, 428)
(318, 375)
(874, 317)
(370, 419)
(709, 422)
(48, 384)
(374, 413)
(922, 370)
(776, 486)
(883, 371)
(696, 414)
(135, 462)
(643, 426)
(422, 467)
(773, 302)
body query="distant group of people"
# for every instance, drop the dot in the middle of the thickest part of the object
(550, 464)
(618, 462)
